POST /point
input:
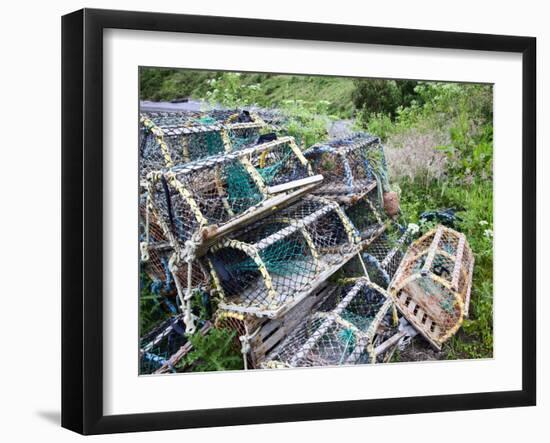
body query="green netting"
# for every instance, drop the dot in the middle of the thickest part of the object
(245, 138)
(347, 337)
(268, 173)
(448, 303)
(242, 192)
(285, 257)
(361, 321)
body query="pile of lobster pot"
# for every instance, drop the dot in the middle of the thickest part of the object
(294, 250)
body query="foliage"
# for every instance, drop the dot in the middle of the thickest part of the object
(214, 351)
(228, 90)
(151, 306)
(382, 99)
(202, 305)
(306, 121)
(168, 84)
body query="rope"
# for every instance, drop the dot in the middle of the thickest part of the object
(189, 253)
(144, 245)
(245, 344)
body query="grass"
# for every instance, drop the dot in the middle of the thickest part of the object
(262, 89)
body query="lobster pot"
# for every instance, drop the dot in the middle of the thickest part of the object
(345, 330)
(364, 212)
(150, 229)
(155, 247)
(264, 334)
(350, 166)
(384, 254)
(268, 267)
(157, 250)
(154, 153)
(432, 285)
(222, 188)
(168, 140)
(186, 117)
(380, 257)
(159, 344)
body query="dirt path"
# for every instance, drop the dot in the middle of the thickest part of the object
(340, 128)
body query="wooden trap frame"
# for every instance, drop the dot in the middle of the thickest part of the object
(162, 348)
(432, 286)
(210, 198)
(267, 268)
(170, 139)
(345, 329)
(350, 166)
(260, 337)
(257, 336)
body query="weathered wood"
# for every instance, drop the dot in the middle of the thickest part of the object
(327, 323)
(211, 234)
(362, 187)
(458, 262)
(469, 289)
(295, 184)
(181, 352)
(433, 249)
(392, 341)
(314, 286)
(407, 312)
(267, 339)
(294, 227)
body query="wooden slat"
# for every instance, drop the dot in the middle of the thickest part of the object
(294, 184)
(211, 234)
(181, 352)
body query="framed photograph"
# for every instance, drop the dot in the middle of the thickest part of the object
(270, 221)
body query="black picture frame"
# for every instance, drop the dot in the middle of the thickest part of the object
(82, 220)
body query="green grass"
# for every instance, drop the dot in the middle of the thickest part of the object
(267, 90)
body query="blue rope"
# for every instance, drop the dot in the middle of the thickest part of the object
(167, 274)
(171, 306)
(154, 358)
(156, 285)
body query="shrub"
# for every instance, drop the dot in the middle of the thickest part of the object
(214, 351)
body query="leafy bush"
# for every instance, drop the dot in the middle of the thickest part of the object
(306, 121)
(214, 351)
(151, 306)
(228, 90)
(378, 98)
(237, 89)
(167, 84)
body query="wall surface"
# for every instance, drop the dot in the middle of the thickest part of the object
(30, 245)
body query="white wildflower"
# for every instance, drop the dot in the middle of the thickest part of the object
(413, 228)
